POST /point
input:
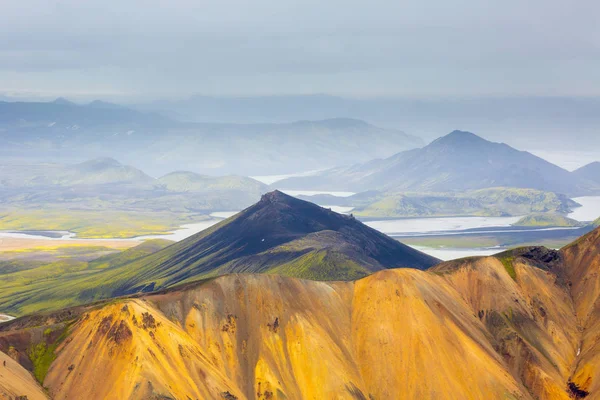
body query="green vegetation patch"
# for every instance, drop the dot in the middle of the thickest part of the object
(546, 220)
(509, 266)
(129, 255)
(42, 354)
(322, 265)
(501, 201)
(452, 241)
(68, 281)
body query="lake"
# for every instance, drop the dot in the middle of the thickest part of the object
(419, 226)
(589, 210)
(453, 254)
(182, 233)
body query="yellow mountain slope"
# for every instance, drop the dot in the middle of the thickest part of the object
(582, 270)
(16, 382)
(269, 337)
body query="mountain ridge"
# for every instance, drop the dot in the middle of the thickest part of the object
(159, 144)
(590, 172)
(263, 236)
(458, 161)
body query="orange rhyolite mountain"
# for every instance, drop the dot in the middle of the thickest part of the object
(16, 381)
(521, 325)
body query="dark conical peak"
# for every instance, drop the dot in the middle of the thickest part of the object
(276, 204)
(276, 196)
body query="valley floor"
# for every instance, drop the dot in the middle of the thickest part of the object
(15, 244)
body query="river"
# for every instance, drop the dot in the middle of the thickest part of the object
(420, 226)
(401, 227)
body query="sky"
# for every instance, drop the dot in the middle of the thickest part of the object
(415, 48)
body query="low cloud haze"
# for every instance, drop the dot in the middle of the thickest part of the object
(139, 49)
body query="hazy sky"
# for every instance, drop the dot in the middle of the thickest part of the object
(359, 48)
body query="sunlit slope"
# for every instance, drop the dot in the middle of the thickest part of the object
(128, 350)
(582, 272)
(17, 381)
(528, 313)
(270, 337)
(413, 335)
(63, 282)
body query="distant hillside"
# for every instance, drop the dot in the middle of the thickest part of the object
(185, 181)
(589, 172)
(532, 122)
(278, 235)
(106, 172)
(456, 162)
(203, 192)
(62, 131)
(103, 198)
(100, 171)
(481, 202)
(103, 171)
(40, 120)
(547, 220)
